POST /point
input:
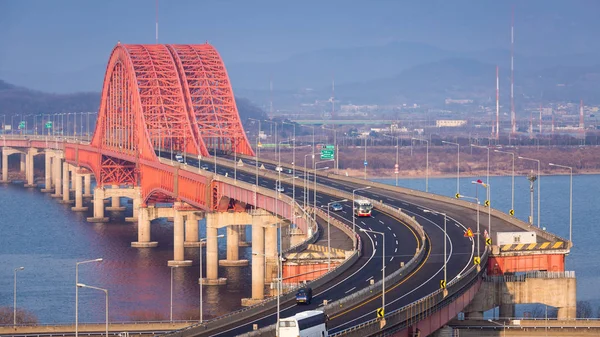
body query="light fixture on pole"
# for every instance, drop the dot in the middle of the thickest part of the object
(539, 187)
(354, 206)
(329, 232)
(335, 147)
(77, 291)
(426, 162)
(200, 258)
(396, 166)
(15, 297)
(570, 198)
(81, 285)
(382, 269)
(457, 165)
(488, 202)
(512, 202)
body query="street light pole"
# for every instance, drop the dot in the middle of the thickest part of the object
(77, 292)
(538, 183)
(457, 165)
(476, 199)
(306, 190)
(315, 182)
(570, 198)
(397, 148)
(353, 208)
(365, 162)
(512, 203)
(335, 152)
(15, 298)
(382, 269)
(426, 162)
(81, 285)
(171, 306)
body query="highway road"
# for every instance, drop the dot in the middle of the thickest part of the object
(401, 244)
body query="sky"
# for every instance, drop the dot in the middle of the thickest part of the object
(65, 36)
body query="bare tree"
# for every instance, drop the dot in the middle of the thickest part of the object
(23, 316)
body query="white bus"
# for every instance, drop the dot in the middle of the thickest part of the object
(310, 323)
(362, 207)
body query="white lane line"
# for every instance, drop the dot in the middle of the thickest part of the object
(457, 225)
(396, 250)
(344, 212)
(391, 259)
(369, 279)
(394, 234)
(381, 222)
(396, 242)
(362, 222)
(320, 197)
(389, 227)
(349, 290)
(375, 243)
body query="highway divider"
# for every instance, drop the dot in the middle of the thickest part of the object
(453, 201)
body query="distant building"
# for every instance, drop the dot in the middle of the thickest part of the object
(450, 123)
(458, 101)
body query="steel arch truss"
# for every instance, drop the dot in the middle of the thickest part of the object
(211, 98)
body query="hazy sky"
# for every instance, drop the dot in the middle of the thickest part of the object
(62, 35)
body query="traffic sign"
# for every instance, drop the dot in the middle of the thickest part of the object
(469, 233)
(476, 260)
(512, 212)
(488, 241)
(380, 313)
(330, 147)
(328, 152)
(457, 195)
(487, 203)
(22, 125)
(260, 144)
(48, 125)
(442, 284)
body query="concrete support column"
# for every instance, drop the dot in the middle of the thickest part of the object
(233, 242)
(98, 206)
(178, 236)
(66, 197)
(191, 231)
(212, 251)
(143, 230)
(4, 166)
(258, 262)
(29, 173)
(271, 251)
(507, 311)
(23, 165)
(57, 174)
(47, 173)
(115, 202)
(87, 185)
(78, 194)
(243, 240)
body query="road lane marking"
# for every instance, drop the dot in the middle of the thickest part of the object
(349, 290)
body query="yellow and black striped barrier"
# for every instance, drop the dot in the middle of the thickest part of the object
(533, 246)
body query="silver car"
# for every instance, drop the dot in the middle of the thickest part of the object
(336, 207)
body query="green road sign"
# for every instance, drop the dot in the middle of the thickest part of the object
(328, 152)
(22, 125)
(48, 125)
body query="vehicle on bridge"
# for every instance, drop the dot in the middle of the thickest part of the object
(310, 323)
(278, 186)
(179, 158)
(336, 207)
(304, 295)
(204, 166)
(362, 207)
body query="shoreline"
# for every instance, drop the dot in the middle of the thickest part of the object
(380, 176)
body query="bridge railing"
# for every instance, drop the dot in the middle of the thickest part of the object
(494, 212)
(416, 311)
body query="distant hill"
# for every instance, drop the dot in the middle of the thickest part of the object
(18, 100)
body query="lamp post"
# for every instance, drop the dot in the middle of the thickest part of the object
(15, 297)
(200, 258)
(77, 292)
(512, 203)
(570, 198)
(502, 325)
(397, 148)
(445, 239)
(313, 135)
(81, 285)
(353, 207)
(306, 193)
(457, 164)
(488, 189)
(293, 158)
(315, 182)
(335, 153)
(365, 162)
(477, 201)
(426, 162)
(171, 303)
(382, 269)
(329, 233)
(538, 183)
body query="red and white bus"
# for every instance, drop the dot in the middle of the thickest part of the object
(362, 207)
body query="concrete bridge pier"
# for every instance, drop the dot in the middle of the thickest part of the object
(47, 173)
(143, 229)
(29, 172)
(66, 192)
(57, 175)
(233, 248)
(271, 252)
(178, 239)
(78, 194)
(192, 238)
(98, 203)
(243, 241)
(5, 154)
(23, 163)
(258, 262)
(87, 185)
(212, 251)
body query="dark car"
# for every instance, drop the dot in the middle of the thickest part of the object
(304, 295)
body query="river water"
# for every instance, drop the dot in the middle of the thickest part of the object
(47, 238)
